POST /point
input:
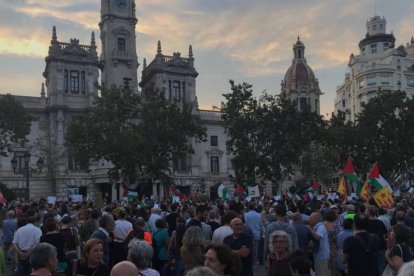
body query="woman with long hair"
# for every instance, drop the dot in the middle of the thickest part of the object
(280, 246)
(56, 239)
(222, 260)
(192, 250)
(176, 243)
(398, 249)
(90, 263)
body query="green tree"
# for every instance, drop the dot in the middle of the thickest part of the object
(267, 135)
(14, 123)
(139, 134)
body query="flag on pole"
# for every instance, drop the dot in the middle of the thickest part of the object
(222, 191)
(384, 198)
(240, 189)
(315, 185)
(342, 187)
(350, 175)
(366, 191)
(377, 181)
(132, 195)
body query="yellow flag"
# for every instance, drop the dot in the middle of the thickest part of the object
(365, 191)
(384, 198)
(342, 187)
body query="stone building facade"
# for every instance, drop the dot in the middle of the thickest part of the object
(379, 66)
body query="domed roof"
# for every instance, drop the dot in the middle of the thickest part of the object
(299, 72)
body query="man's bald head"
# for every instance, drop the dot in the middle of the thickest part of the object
(124, 268)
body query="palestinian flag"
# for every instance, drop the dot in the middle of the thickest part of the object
(342, 188)
(377, 181)
(132, 195)
(366, 191)
(240, 189)
(222, 191)
(315, 185)
(384, 198)
(350, 175)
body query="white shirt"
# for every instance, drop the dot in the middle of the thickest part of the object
(220, 233)
(122, 227)
(27, 237)
(152, 219)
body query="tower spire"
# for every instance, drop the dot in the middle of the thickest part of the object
(93, 43)
(159, 52)
(54, 36)
(144, 64)
(190, 51)
(42, 91)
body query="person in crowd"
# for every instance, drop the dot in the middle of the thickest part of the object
(154, 217)
(378, 228)
(281, 224)
(124, 268)
(225, 230)
(348, 225)
(398, 249)
(254, 223)
(140, 253)
(382, 216)
(213, 219)
(25, 239)
(280, 246)
(200, 216)
(201, 271)
(106, 226)
(241, 244)
(221, 259)
(176, 243)
(72, 240)
(171, 218)
(9, 227)
(333, 230)
(192, 250)
(360, 251)
(56, 239)
(300, 266)
(43, 260)
(91, 262)
(160, 241)
(139, 232)
(322, 252)
(407, 269)
(303, 233)
(122, 228)
(90, 225)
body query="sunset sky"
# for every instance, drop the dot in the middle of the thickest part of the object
(244, 40)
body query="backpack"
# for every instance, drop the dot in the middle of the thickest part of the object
(368, 256)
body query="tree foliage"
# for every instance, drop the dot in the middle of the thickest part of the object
(137, 133)
(14, 123)
(267, 135)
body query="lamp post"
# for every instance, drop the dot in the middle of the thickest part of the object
(27, 172)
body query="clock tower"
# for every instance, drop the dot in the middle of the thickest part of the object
(119, 61)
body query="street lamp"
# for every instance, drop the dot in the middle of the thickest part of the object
(27, 171)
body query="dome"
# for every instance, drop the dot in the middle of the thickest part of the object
(299, 73)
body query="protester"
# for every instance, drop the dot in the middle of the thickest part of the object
(398, 249)
(348, 225)
(56, 239)
(201, 271)
(124, 268)
(322, 252)
(91, 262)
(43, 260)
(176, 244)
(160, 241)
(106, 226)
(141, 253)
(280, 246)
(222, 260)
(192, 250)
(225, 230)
(254, 223)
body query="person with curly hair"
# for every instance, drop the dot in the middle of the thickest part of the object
(221, 259)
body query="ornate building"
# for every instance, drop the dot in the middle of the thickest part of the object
(69, 92)
(300, 84)
(379, 66)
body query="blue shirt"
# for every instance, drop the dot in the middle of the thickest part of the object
(160, 237)
(9, 227)
(323, 251)
(254, 222)
(340, 243)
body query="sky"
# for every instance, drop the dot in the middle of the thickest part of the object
(242, 40)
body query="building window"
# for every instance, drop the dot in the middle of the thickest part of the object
(373, 48)
(343, 103)
(214, 163)
(66, 81)
(410, 82)
(74, 82)
(83, 82)
(361, 83)
(374, 27)
(121, 44)
(371, 80)
(304, 104)
(213, 141)
(385, 78)
(176, 91)
(381, 27)
(398, 64)
(180, 164)
(386, 46)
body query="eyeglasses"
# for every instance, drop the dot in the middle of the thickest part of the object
(278, 241)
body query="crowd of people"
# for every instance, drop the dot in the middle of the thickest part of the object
(321, 238)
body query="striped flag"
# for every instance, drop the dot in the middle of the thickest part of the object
(342, 187)
(377, 181)
(366, 191)
(350, 175)
(132, 195)
(384, 198)
(222, 191)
